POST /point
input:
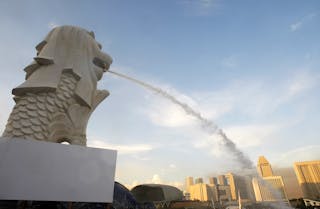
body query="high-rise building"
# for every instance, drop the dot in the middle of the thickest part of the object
(222, 180)
(227, 189)
(268, 187)
(223, 193)
(264, 167)
(308, 175)
(209, 192)
(189, 182)
(240, 185)
(198, 180)
(229, 178)
(213, 181)
(290, 181)
(202, 192)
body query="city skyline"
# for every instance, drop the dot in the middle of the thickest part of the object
(261, 186)
(251, 68)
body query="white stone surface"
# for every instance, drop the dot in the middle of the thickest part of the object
(44, 171)
(60, 91)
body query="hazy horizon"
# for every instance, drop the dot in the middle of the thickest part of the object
(250, 67)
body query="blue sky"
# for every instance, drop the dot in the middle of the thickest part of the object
(252, 67)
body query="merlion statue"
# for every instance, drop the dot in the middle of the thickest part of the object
(60, 92)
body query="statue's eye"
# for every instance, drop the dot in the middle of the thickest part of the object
(99, 45)
(40, 46)
(99, 62)
(91, 33)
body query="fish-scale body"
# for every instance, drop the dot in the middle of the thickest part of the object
(34, 113)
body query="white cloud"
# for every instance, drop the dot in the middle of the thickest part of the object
(245, 98)
(249, 97)
(251, 135)
(229, 62)
(172, 166)
(295, 26)
(122, 149)
(52, 25)
(156, 179)
(200, 7)
(167, 114)
(177, 184)
(210, 143)
(200, 3)
(257, 98)
(207, 3)
(302, 81)
(307, 153)
(132, 185)
(298, 24)
(142, 158)
(163, 112)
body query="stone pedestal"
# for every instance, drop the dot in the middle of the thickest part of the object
(44, 171)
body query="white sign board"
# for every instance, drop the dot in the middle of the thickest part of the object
(43, 171)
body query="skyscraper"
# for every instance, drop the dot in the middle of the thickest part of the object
(198, 180)
(308, 175)
(213, 181)
(239, 185)
(189, 182)
(231, 182)
(222, 180)
(268, 187)
(264, 167)
(202, 192)
(208, 192)
(290, 181)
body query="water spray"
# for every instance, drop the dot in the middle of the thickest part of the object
(211, 128)
(206, 124)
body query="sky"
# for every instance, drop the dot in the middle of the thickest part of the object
(251, 67)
